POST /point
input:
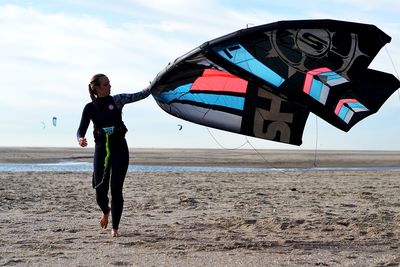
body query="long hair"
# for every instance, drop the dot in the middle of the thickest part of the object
(95, 81)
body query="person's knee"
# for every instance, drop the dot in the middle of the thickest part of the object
(117, 195)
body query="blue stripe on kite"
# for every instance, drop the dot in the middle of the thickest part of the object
(331, 75)
(242, 58)
(169, 96)
(182, 93)
(343, 112)
(316, 88)
(356, 105)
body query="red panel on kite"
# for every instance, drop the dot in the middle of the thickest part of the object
(218, 81)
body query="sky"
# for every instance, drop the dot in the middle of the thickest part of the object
(50, 49)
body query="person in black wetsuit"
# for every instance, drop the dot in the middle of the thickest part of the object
(111, 155)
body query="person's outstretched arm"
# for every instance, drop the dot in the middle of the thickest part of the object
(122, 99)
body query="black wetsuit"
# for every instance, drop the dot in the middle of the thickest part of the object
(105, 113)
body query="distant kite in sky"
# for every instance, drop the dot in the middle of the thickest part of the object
(265, 80)
(54, 122)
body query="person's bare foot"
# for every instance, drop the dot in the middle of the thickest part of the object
(104, 220)
(114, 233)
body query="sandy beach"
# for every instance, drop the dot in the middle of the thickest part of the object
(181, 218)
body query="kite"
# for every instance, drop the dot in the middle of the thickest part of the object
(265, 80)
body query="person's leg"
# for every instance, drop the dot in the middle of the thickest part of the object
(101, 182)
(119, 166)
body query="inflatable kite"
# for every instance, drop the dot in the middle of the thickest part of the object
(265, 80)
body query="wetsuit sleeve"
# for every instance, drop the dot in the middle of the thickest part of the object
(122, 99)
(85, 121)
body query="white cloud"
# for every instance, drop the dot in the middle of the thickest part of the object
(372, 5)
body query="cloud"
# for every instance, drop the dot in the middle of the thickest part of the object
(50, 50)
(385, 5)
(45, 53)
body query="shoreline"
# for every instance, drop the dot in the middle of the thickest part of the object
(242, 158)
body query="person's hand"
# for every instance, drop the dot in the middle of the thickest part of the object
(146, 91)
(82, 141)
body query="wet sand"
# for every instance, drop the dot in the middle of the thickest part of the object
(211, 157)
(303, 218)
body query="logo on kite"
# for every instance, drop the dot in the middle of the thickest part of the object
(339, 48)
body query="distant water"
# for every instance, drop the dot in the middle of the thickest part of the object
(88, 167)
